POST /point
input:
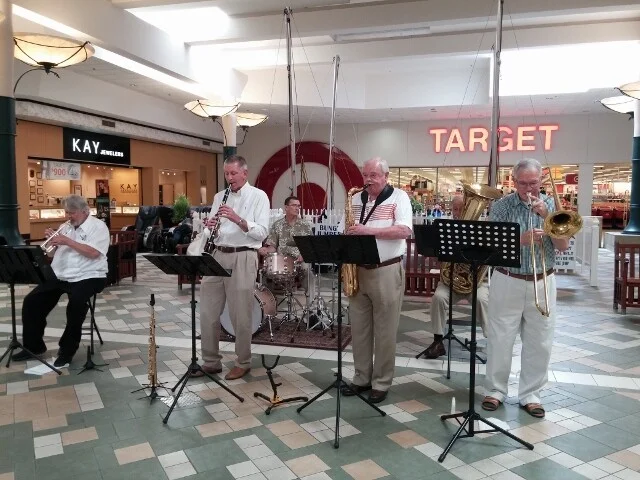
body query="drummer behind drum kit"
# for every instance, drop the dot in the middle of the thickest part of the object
(285, 273)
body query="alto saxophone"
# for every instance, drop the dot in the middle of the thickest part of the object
(153, 369)
(349, 273)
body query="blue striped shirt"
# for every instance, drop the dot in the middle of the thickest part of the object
(512, 209)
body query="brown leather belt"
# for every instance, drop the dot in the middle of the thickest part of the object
(233, 249)
(528, 278)
(391, 261)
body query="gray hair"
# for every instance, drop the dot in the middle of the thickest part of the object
(526, 164)
(239, 159)
(379, 161)
(74, 203)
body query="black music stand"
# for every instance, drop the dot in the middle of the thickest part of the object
(339, 249)
(205, 266)
(477, 243)
(427, 243)
(23, 265)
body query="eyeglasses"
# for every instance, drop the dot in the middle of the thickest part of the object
(373, 176)
(533, 184)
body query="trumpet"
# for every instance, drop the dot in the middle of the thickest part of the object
(62, 230)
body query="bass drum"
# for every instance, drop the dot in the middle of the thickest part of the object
(264, 305)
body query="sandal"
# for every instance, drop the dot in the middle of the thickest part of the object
(534, 409)
(490, 404)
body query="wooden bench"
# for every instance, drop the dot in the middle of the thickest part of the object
(422, 274)
(122, 256)
(626, 276)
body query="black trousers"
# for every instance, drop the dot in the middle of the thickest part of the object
(42, 299)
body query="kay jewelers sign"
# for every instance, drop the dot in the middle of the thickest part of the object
(60, 170)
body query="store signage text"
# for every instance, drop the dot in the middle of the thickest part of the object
(524, 138)
(95, 147)
(129, 188)
(60, 170)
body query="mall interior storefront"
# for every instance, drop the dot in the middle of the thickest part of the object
(436, 186)
(121, 173)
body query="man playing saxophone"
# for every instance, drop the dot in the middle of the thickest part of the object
(80, 263)
(512, 308)
(374, 311)
(440, 300)
(241, 225)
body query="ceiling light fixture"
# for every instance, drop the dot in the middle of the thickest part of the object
(208, 109)
(631, 90)
(246, 120)
(46, 52)
(619, 104)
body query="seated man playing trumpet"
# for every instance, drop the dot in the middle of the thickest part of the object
(513, 305)
(79, 249)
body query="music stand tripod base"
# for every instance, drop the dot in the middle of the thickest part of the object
(23, 265)
(500, 246)
(204, 265)
(339, 249)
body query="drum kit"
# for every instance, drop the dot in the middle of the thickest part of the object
(284, 274)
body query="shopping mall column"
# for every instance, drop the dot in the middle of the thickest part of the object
(9, 232)
(633, 226)
(229, 124)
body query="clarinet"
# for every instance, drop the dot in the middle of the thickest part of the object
(210, 245)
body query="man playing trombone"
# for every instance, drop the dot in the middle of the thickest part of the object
(79, 250)
(512, 297)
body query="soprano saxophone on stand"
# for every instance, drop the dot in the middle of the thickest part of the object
(153, 364)
(210, 245)
(152, 373)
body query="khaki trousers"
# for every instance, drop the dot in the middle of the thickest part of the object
(440, 307)
(237, 292)
(512, 311)
(374, 314)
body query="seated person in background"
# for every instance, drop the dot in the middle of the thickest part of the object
(440, 300)
(80, 263)
(180, 234)
(281, 233)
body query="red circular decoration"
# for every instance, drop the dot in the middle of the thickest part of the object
(311, 152)
(312, 196)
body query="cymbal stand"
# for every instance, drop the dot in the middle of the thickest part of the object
(317, 309)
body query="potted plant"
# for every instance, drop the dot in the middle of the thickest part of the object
(181, 208)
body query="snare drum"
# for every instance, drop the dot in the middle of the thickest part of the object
(278, 266)
(264, 304)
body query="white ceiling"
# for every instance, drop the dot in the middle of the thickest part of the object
(446, 42)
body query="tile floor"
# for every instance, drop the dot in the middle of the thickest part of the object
(92, 426)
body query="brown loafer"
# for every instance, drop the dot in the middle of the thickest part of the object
(205, 368)
(236, 372)
(377, 396)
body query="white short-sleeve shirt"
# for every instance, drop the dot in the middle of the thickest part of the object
(70, 265)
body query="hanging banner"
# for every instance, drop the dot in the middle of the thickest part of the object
(60, 170)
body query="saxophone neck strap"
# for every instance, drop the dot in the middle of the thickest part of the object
(364, 196)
